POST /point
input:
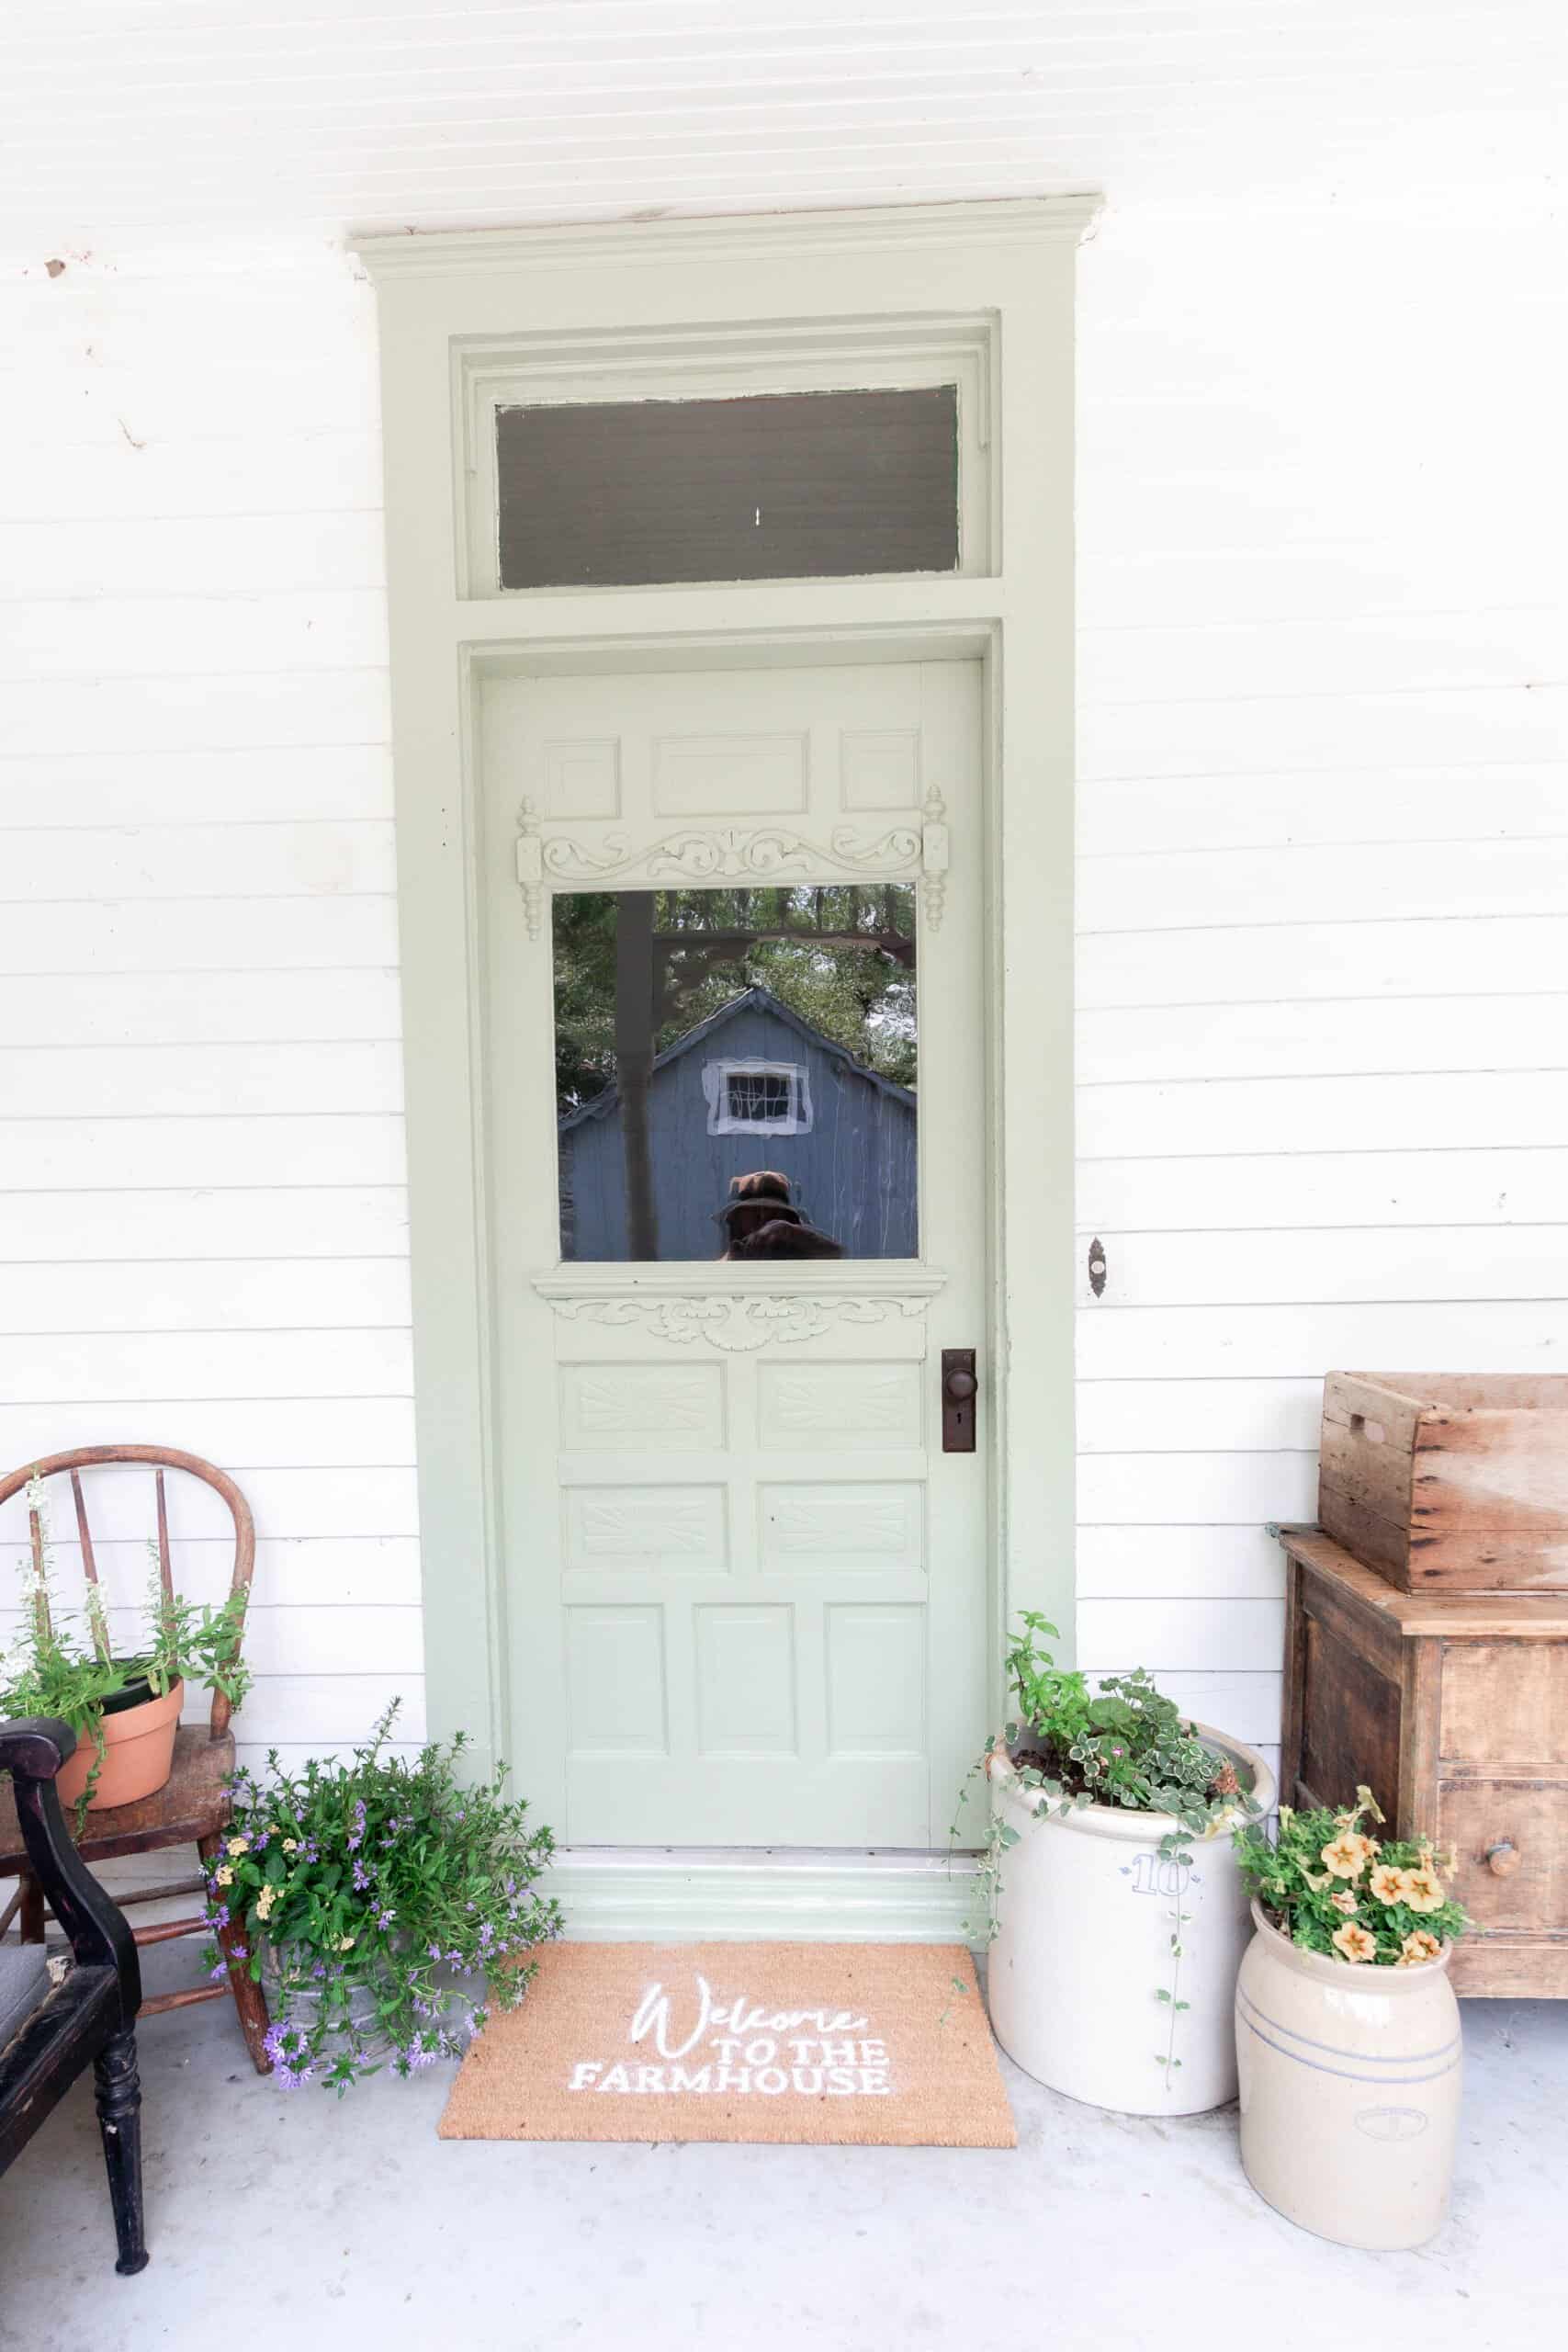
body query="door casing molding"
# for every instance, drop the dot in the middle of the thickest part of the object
(1014, 262)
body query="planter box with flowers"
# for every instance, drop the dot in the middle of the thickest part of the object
(383, 1903)
(1347, 2028)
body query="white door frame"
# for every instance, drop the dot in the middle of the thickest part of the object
(844, 277)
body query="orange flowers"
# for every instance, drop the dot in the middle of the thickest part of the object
(1421, 1889)
(1387, 1882)
(1347, 1855)
(1354, 1942)
(1419, 1947)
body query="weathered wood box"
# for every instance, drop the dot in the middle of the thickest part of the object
(1448, 1482)
(1453, 1709)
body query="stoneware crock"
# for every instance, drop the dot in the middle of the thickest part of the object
(1084, 1916)
(1350, 2091)
(138, 1745)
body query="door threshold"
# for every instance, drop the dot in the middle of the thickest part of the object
(752, 1894)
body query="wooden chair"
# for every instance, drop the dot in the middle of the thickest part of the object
(193, 1805)
(48, 2033)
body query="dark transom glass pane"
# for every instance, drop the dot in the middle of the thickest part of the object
(769, 486)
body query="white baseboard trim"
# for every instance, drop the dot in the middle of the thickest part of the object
(621, 1895)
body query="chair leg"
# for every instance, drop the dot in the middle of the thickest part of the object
(119, 2120)
(29, 1925)
(250, 2001)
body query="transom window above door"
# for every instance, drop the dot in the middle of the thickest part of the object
(835, 449)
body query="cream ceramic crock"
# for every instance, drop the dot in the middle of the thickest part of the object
(1350, 2079)
(1086, 1909)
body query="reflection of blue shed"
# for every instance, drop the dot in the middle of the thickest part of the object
(752, 1085)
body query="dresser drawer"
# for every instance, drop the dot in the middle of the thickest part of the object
(1482, 1813)
(1505, 1702)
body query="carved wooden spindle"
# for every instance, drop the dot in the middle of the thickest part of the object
(165, 1567)
(89, 1564)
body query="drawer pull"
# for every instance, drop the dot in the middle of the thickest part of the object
(1503, 1859)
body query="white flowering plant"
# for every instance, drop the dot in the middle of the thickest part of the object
(383, 1904)
(63, 1662)
(1333, 1888)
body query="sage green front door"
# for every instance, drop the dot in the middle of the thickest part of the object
(736, 1058)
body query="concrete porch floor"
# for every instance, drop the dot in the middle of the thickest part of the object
(294, 2219)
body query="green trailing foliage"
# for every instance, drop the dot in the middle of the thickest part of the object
(385, 1901)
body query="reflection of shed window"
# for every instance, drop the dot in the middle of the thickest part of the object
(757, 1098)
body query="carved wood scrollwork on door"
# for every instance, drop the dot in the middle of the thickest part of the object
(919, 846)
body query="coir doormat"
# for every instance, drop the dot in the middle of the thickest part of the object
(859, 2045)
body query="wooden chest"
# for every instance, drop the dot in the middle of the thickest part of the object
(1446, 1482)
(1453, 1709)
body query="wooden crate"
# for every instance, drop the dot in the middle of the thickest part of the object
(1449, 1482)
(1453, 1709)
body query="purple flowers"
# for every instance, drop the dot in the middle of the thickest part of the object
(358, 1834)
(361, 1877)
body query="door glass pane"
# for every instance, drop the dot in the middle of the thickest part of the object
(736, 1073)
(772, 486)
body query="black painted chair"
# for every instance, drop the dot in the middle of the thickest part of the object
(49, 2032)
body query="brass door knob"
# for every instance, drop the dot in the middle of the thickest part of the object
(1503, 1859)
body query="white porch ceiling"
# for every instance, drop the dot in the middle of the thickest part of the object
(134, 122)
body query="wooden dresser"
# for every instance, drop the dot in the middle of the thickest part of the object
(1453, 1709)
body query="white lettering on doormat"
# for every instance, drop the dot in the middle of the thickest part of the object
(744, 2052)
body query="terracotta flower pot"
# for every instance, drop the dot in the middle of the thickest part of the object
(137, 1742)
(1350, 2091)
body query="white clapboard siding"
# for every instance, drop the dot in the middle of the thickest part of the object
(299, 1433)
(1245, 811)
(1186, 1635)
(326, 1710)
(145, 1154)
(1450, 1263)
(1374, 1112)
(1323, 881)
(173, 1081)
(236, 555)
(1287, 1342)
(166, 862)
(173, 711)
(1253, 961)
(322, 629)
(1197, 1490)
(104, 1368)
(1355, 653)
(1185, 1415)
(1289, 1190)
(1313, 1039)
(276, 474)
(85, 791)
(257, 1294)
(1182, 1563)
(226, 933)
(292, 1221)
(164, 1008)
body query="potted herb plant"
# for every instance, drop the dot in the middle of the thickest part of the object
(1117, 1906)
(383, 1902)
(1346, 2029)
(124, 1708)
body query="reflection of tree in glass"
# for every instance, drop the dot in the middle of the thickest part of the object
(842, 956)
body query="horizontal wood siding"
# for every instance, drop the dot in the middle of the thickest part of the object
(203, 1223)
(1322, 884)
